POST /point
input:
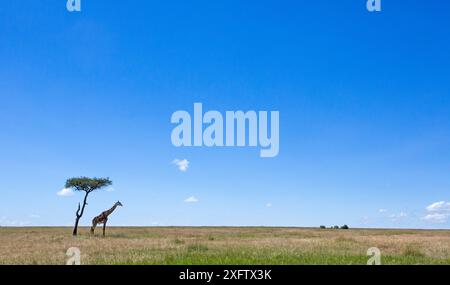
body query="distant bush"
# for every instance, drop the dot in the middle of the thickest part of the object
(344, 227)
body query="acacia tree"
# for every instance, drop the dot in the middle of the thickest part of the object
(86, 185)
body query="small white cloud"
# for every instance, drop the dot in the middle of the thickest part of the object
(365, 221)
(439, 206)
(396, 217)
(268, 205)
(110, 189)
(4, 221)
(191, 199)
(436, 218)
(65, 192)
(34, 216)
(182, 165)
(382, 210)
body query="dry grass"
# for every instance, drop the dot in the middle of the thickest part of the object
(223, 245)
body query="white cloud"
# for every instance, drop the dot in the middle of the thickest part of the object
(436, 218)
(65, 192)
(34, 216)
(191, 199)
(438, 212)
(395, 217)
(382, 210)
(110, 189)
(182, 165)
(439, 206)
(4, 221)
(268, 205)
(365, 220)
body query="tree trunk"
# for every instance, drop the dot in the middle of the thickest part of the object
(75, 229)
(79, 214)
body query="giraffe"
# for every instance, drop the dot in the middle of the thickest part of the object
(103, 218)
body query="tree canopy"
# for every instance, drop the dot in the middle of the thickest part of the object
(87, 184)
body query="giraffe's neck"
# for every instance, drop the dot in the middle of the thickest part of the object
(111, 210)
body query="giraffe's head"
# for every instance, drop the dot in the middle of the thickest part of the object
(119, 204)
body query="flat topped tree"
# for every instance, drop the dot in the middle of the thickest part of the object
(87, 185)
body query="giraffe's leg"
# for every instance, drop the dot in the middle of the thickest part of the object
(94, 224)
(104, 227)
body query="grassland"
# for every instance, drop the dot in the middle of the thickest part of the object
(223, 245)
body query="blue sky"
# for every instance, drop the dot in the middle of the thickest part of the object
(364, 101)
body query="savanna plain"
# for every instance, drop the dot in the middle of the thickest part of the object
(223, 245)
